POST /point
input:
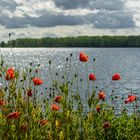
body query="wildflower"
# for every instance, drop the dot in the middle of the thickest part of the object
(101, 95)
(13, 115)
(10, 74)
(130, 99)
(92, 77)
(116, 77)
(37, 81)
(2, 102)
(83, 57)
(106, 125)
(98, 108)
(55, 107)
(43, 122)
(29, 93)
(57, 99)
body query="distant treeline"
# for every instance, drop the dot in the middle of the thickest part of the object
(81, 41)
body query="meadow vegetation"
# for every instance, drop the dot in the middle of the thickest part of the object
(58, 113)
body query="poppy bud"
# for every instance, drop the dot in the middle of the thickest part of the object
(31, 63)
(29, 93)
(50, 62)
(9, 34)
(36, 70)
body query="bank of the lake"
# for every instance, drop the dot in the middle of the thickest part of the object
(80, 41)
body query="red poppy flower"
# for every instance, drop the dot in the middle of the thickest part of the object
(2, 102)
(98, 108)
(130, 99)
(83, 57)
(55, 107)
(43, 122)
(13, 115)
(92, 77)
(29, 93)
(116, 77)
(106, 125)
(37, 81)
(57, 99)
(101, 95)
(10, 74)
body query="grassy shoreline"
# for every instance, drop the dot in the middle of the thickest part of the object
(27, 113)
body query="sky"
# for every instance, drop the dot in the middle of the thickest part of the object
(60, 18)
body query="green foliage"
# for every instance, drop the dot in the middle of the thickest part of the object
(81, 41)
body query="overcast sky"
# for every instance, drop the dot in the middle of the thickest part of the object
(55, 18)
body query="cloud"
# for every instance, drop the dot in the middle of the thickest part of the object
(51, 14)
(67, 4)
(114, 19)
(8, 4)
(110, 5)
(92, 4)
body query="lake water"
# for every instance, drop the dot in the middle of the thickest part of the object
(125, 61)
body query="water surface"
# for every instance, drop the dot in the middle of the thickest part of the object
(125, 61)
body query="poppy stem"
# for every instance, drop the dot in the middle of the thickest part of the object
(10, 42)
(50, 72)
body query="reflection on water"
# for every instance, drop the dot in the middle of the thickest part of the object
(108, 61)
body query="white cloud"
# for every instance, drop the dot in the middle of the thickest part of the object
(133, 6)
(76, 17)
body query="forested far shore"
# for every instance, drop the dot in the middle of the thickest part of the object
(81, 41)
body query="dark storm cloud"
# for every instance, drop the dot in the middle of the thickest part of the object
(8, 4)
(111, 20)
(99, 20)
(110, 13)
(96, 4)
(107, 4)
(71, 4)
(42, 21)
